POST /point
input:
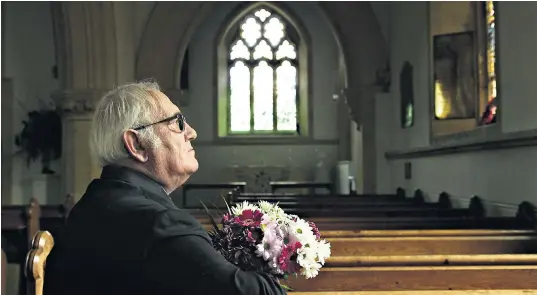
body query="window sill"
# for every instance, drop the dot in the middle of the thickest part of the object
(267, 140)
(487, 140)
(482, 133)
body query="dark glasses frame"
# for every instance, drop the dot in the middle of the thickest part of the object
(181, 122)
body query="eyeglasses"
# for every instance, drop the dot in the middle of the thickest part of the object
(181, 122)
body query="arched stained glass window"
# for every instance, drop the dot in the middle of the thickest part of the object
(263, 75)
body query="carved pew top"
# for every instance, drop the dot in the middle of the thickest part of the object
(34, 269)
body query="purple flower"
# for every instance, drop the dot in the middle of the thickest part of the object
(271, 245)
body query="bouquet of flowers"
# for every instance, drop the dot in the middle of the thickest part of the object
(262, 237)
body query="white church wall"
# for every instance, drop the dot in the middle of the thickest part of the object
(502, 178)
(28, 57)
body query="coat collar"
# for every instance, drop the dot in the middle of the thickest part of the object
(147, 185)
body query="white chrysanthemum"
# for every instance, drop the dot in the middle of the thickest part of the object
(310, 270)
(323, 251)
(266, 207)
(237, 209)
(301, 229)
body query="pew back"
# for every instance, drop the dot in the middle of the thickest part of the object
(36, 259)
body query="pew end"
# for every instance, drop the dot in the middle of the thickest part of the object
(419, 197)
(476, 207)
(4, 270)
(527, 214)
(34, 268)
(444, 201)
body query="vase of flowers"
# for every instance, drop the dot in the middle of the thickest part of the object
(262, 237)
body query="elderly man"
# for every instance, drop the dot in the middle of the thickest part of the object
(125, 235)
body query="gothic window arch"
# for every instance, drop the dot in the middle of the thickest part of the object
(262, 76)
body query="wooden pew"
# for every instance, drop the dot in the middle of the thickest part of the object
(422, 292)
(4, 272)
(524, 220)
(20, 223)
(363, 205)
(34, 267)
(237, 187)
(427, 233)
(279, 185)
(383, 278)
(313, 199)
(432, 260)
(379, 246)
(405, 211)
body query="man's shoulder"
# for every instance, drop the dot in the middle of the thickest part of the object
(121, 196)
(177, 222)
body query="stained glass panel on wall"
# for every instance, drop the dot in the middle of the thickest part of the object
(263, 50)
(239, 50)
(251, 31)
(286, 75)
(263, 98)
(263, 75)
(239, 82)
(489, 115)
(274, 31)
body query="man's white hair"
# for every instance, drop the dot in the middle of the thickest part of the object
(126, 107)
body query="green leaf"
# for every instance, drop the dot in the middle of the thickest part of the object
(227, 205)
(286, 287)
(210, 216)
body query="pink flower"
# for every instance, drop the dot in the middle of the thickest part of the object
(249, 218)
(253, 235)
(315, 230)
(287, 261)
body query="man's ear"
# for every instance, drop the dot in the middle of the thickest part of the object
(134, 146)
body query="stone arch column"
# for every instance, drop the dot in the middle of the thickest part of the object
(87, 61)
(364, 50)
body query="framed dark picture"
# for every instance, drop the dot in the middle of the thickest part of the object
(406, 85)
(455, 81)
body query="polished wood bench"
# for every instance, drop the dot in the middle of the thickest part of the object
(427, 292)
(432, 260)
(413, 223)
(378, 246)
(428, 233)
(330, 279)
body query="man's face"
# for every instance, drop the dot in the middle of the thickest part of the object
(175, 159)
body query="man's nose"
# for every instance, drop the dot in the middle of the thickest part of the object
(191, 133)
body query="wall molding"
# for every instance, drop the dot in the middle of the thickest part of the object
(505, 141)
